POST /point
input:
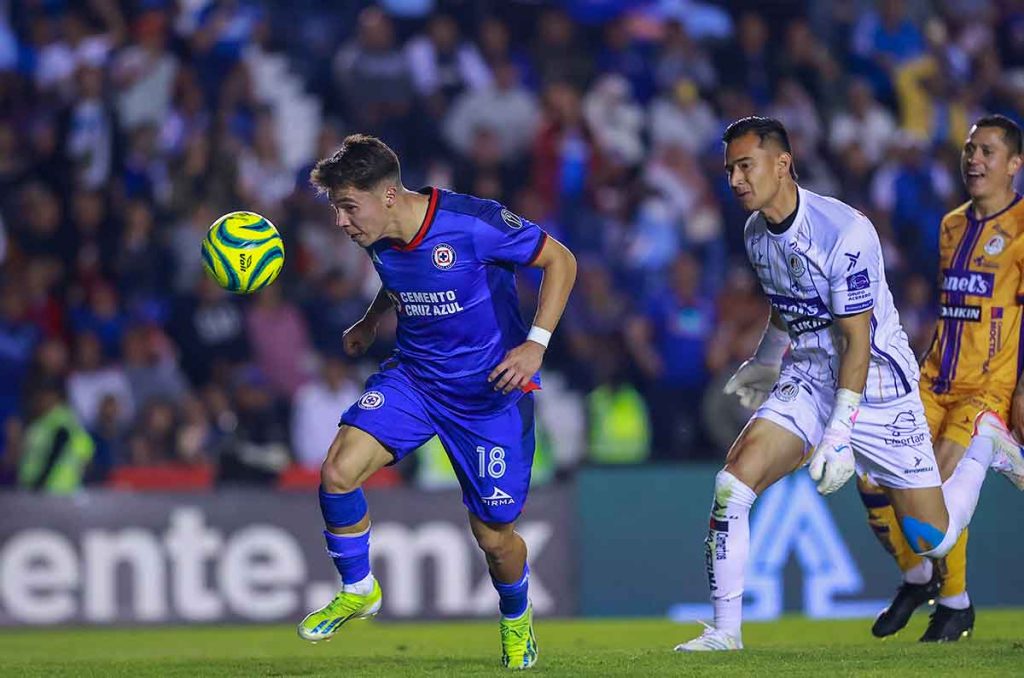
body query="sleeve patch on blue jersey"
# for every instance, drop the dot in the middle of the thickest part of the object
(862, 306)
(513, 220)
(858, 281)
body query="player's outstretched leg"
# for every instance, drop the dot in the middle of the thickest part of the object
(953, 617)
(762, 454)
(505, 551)
(353, 457)
(933, 535)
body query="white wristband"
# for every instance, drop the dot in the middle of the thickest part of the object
(845, 410)
(539, 335)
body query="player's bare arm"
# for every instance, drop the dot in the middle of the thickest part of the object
(855, 331)
(832, 463)
(360, 337)
(522, 362)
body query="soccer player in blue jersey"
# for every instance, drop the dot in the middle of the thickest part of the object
(464, 368)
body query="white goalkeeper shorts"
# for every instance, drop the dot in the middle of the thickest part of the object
(890, 441)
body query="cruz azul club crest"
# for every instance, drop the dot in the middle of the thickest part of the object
(443, 256)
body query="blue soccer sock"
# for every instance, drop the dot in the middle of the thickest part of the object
(351, 555)
(350, 552)
(513, 598)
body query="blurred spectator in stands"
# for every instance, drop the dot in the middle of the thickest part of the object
(91, 131)
(209, 328)
(618, 426)
(883, 40)
(485, 171)
(913, 191)
(680, 117)
(796, 110)
(68, 41)
(750, 63)
(103, 316)
(918, 312)
(151, 367)
(622, 54)
(256, 449)
(862, 122)
(496, 47)
(153, 439)
(144, 73)
(183, 242)
(201, 175)
(741, 313)
(375, 80)
(93, 378)
(142, 261)
(443, 65)
(506, 108)
(224, 28)
(280, 342)
(145, 173)
(94, 237)
(702, 20)
(55, 449)
(334, 307)
(40, 229)
(195, 434)
(616, 120)
(43, 307)
(189, 116)
(46, 163)
(564, 156)
(13, 162)
(557, 53)
(18, 340)
(670, 345)
(110, 435)
(806, 59)
(681, 58)
(594, 317)
(263, 179)
(317, 409)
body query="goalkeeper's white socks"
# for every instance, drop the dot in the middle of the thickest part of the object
(961, 493)
(727, 546)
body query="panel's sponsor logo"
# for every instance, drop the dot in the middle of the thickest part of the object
(975, 283)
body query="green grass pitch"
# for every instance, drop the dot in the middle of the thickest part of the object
(643, 647)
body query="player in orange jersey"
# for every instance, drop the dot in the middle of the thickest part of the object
(974, 364)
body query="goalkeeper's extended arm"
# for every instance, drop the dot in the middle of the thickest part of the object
(755, 378)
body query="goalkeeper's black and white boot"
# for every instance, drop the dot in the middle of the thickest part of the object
(908, 598)
(948, 625)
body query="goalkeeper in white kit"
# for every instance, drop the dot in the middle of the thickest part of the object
(833, 377)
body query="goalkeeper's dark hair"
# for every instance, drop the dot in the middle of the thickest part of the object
(1012, 135)
(765, 128)
(362, 162)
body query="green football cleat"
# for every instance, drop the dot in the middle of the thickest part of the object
(322, 624)
(518, 644)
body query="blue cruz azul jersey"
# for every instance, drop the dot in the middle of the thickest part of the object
(454, 289)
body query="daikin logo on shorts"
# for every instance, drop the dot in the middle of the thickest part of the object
(443, 256)
(371, 400)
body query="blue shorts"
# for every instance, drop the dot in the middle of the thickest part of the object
(492, 456)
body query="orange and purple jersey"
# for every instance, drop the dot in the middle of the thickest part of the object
(977, 344)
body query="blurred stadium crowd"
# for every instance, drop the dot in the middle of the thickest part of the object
(126, 128)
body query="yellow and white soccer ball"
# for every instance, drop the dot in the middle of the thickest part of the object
(243, 252)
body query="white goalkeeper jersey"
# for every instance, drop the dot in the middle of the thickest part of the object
(828, 264)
